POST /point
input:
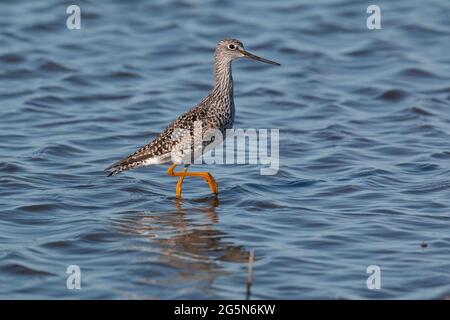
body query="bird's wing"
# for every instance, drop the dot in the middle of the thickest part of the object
(155, 152)
(159, 150)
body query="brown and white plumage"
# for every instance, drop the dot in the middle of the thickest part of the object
(215, 111)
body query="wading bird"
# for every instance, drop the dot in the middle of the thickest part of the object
(215, 111)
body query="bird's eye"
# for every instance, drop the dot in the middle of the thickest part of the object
(231, 46)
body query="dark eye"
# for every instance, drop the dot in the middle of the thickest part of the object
(231, 46)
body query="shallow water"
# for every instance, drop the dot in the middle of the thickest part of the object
(364, 151)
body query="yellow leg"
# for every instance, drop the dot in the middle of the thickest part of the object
(178, 188)
(205, 175)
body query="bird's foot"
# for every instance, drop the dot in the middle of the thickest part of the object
(205, 175)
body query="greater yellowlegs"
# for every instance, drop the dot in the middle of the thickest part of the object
(215, 111)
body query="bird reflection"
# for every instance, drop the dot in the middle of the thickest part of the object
(188, 240)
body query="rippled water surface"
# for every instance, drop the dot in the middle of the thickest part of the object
(364, 120)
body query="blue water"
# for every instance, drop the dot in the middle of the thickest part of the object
(364, 120)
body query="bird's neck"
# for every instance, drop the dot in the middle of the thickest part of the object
(223, 77)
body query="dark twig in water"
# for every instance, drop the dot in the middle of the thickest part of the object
(249, 274)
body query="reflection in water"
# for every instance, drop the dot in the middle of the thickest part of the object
(188, 240)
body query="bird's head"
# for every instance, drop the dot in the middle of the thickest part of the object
(231, 49)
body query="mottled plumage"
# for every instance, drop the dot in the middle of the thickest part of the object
(215, 111)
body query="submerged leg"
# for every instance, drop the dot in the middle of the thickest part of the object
(205, 175)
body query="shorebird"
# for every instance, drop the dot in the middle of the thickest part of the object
(214, 112)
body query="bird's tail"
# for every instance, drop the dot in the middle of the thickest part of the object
(123, 165)
(113, 171)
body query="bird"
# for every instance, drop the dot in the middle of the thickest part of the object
(216, 112)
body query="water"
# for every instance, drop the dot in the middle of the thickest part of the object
(364, 151)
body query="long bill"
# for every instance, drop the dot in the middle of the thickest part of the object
(254, 57)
